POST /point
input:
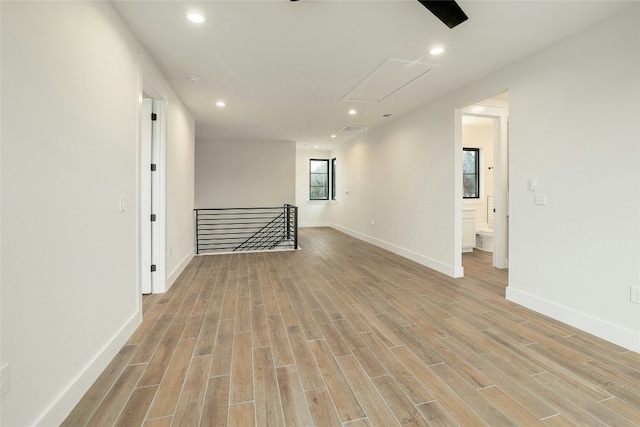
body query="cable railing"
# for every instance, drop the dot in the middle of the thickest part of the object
(246, 229)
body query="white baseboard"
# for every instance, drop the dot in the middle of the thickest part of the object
(61, 406)
(310, 224)
(623, 337)
(180, 268)
(433, 264)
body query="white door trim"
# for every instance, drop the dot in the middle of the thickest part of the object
(159, 208)
(150, 85)
(501, 180)
(145, 195)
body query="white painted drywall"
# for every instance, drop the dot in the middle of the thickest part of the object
(180, 190)
(234, 174)
(70, 296)
(401, 177)
(575, 129)
(311, 213)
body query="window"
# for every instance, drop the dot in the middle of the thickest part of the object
(471, 173)
(333, 179)
(319, 179)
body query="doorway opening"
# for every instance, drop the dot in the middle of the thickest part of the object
(484, 130)
(151, 179)
(150, 193)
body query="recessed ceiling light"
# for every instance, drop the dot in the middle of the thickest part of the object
(316, 146)
(333, 136)
(195, 17)
(221, 104)
(193, 77)
(436, 50)
(352, 112)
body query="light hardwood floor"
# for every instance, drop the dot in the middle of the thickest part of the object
(343, 333)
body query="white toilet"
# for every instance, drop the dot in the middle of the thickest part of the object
(484, 239)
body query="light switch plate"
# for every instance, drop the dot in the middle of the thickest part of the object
(540, 199)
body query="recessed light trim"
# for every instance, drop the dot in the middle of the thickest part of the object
(195, 17)
(333, 136)
(352, 112)
(194, 77)
(221, 104)
(437, 50)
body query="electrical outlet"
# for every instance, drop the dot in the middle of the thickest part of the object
(5, 380)
(635, 294)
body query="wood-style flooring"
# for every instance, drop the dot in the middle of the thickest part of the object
(342, 333)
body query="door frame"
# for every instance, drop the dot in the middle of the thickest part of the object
(150, 85)
(501, 177)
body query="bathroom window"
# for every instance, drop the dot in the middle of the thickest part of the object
(319, 179)
(471, 173)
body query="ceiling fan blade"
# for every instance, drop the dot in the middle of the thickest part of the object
(447, 11)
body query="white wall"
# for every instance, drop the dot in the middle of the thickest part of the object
(311, 213)
(232, 174)
(400, 177)
(575, 129)
(70, 296)
(180, 189)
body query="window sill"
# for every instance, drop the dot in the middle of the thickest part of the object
(322, 202)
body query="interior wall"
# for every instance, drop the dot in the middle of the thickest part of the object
(572, 259)
(575, 130)
(70, 297)
(232, 174)
(402, 189)
(311, 213)
(180, 190)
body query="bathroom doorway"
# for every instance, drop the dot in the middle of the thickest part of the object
(485, 133)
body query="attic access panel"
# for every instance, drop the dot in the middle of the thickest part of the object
(388, 79)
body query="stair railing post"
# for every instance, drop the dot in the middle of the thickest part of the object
(295, 229)
(287, 221)
(197, 234)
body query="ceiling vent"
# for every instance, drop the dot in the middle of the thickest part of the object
(353, 128)
(388, 79)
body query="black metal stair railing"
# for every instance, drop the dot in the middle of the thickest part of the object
(246, 229)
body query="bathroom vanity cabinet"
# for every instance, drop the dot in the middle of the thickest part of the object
(468, 230)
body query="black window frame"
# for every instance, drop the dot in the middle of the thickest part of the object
(475, 175)
(326, 187)
(333, 178)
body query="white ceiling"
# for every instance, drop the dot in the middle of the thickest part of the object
(283, 67)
